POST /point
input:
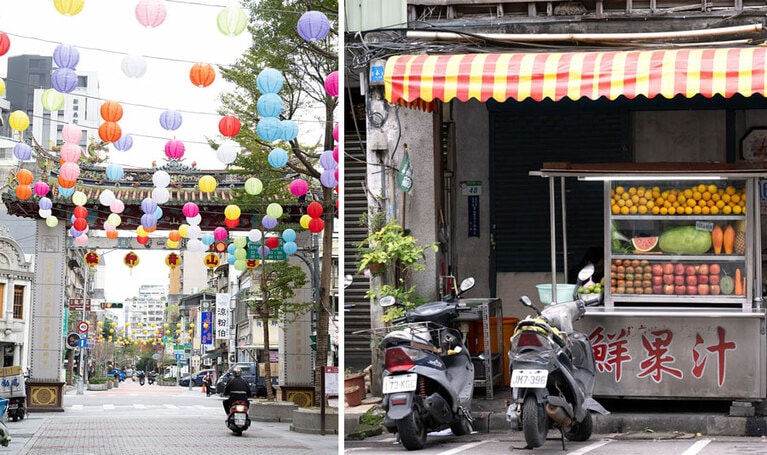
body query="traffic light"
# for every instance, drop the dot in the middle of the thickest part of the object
(218, 247)
(110, 305)
(313, 345)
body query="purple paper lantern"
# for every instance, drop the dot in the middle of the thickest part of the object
(148, 220)
(66, 56)
(44, 203)
(331, 84)
(174, 149)
(64, 80)
(124, 143)
(268, 222)
(22, 151)
(313, 26)
(148, 205)
(328, 178)
(170, 119)
(327, 161)
(264, 251)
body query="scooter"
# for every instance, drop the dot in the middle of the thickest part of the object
(141, 380)
(16, 409)
(552, 372)
(428, 376)
(5, 436)
(151, 377)
(238, 419)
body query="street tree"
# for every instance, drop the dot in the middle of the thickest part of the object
(304, 66)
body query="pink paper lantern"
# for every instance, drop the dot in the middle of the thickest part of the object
(72, 133)
(335, 153)
(41, 188)
(190, 210)
(69, 171)
(151, 13)
(335, 132)
(299, 187)
(174, 149)
(220, 234)
(331, 84)
(70, 152)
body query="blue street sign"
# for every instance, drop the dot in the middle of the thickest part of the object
(82, 342)
(376, 74)
(179, 356)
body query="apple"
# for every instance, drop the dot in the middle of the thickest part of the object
(702, 279)
(692, 289)
(690, 270)
(629, 277)
(668, 268)
(657, 289)
(703, 289)
(657, 280)
(668, 279)
(647, 276)
(715, 290)
(679, 289)
(714, 269)
(668, 289)
(714, 279)
(679, 280)
(691, 280)
(703, 269)
(679, 269)
(657, 269)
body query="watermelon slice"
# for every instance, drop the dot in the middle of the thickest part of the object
(644, 244)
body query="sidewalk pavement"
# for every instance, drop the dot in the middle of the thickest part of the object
(628, 417)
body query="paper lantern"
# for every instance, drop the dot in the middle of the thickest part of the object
(316, 225)
(117, 206)
(290, 248)
(207, 184)
(269, 80)
(229, 126)
(174, 235)
(161, 179)
(80, 212)
(327, 161)
(231, 224)
(80, 224)
(174, 149)
(314, 210)
(124, 143)
(240, 242)
(274, 210)
(106, 197)
(190, 209)
(133, 66)
(79, 198)
(240, 254)
(253, 186)
(66, 187)
(18, 120)
(131, 259)
(232, 212)
(268, 222)
(64, 80)
(170, 119)
(160, 196)
(331, 84)
(148, 206)
(231, 20)
(151, 13)
(335, 154)
(289, 235)
(194, 220)
(141, 232)
(72, 133)
(328, 178)
(114, 219)
(269, 105)
(289, 130)
(272, 242)
(220, 234)
(158, 212)
(226, 153)
(110, 131)
(70, 152)
(278, 158)
(24, 177)
(52, 100)
(148, 221)
(23, 192)
(44, 213)
(81, 240)
(254, 235)
(207, 239)
(269, 129)
(5, 43)
(335, 132)
(69, 171)
(313, 26)
(69, 7)
(22, 151)
(51, 221)
(40, 189)
(66, 56)
(114, 172)
(202, 74)
(111, 111)
(304, 221)
(299, 187)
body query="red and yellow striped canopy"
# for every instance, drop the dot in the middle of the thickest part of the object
(574, 75)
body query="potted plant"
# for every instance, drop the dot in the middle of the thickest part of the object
(354, 387)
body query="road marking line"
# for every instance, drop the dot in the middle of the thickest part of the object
(139, 405)
(591, 447)
(77, 407)
(462, 448)
(171, 406)
(697, 447)
(108, 407)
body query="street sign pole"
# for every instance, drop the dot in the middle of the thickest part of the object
(83, 368)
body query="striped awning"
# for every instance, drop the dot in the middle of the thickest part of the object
(574, 75)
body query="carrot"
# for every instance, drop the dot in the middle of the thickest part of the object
(728, 239)
(717, 236)
(739, 283)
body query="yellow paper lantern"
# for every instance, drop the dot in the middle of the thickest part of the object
(141, 232)
(51, 100)
(79, 198)
(183, 230)
(304, 221)
(69, 7)
(207, 184)
(191, 325)
(18, 120)
(2, 87)
(114, 219)
(253, 186)
(274, 210)
(232, 212)
(165, 326)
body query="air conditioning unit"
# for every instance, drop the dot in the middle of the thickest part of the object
(363, 15)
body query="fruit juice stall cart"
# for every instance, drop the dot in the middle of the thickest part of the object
(682, 313)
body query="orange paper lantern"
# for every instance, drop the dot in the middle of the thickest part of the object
(174, 236)
(111, 111)
(64, 183)
(202, 74)
(23, 192)
(112, 234)
(110, 132)
(24, 177)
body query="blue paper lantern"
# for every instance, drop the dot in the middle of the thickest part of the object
(269, 105)
(66, 192)
(64, 80)
(158, 213)
(148, 221)
(290, 248)
(115, 172)
(170, 119)
(230, 248)
(269, 129)
(66, 56)
(278, 157)
(124, 143)
(148, 205)
(289, 130)
(22, 151)
(313, 26)
(268, 222)
(269, 80)
(289, 235)
(207, 239)
(230, 259)
(44, 203)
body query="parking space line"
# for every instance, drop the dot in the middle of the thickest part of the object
(697, 447)
(590, 448)
(108, 407)
(462, 448)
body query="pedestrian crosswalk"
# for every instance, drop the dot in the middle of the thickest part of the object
(145, 407)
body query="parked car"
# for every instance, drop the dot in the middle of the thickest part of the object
(261, 385)
(120, 373)
(251, 378)
(196, 378)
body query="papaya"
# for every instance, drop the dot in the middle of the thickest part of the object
(739, 283)
(685, 240)
(716, 238)
(728, 239)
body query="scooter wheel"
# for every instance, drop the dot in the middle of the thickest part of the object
(412, 432)
(581, 431)
(535, 422)
(461, 426)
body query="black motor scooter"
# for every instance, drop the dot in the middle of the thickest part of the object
(552, 372)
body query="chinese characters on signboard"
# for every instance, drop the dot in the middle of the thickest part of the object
(206, 334)
(222, 317)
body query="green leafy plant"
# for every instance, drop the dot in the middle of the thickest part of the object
(98, 380)
(392, 246)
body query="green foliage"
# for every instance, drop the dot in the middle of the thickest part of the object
(390, 246)
(98, 379)
(406, 296)
(277, 286)
(371, 417)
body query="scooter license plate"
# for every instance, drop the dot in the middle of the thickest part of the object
(535, 379)
(239, 418)
(400, 383)
(13, 406)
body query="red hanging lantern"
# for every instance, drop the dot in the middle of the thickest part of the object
(229, 126)
(110, 132)
(272, 242)
(231, 224)
(5, 43)
(80, 212)
(23, 192)
(131, 259)
(202, 74)
(316, 225)
(92, 259)
(142, 239)
(111, 111)
(80, 224)
(314, 210)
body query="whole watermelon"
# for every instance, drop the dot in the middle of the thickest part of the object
(685, 240)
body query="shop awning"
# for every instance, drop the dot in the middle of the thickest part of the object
(574, 75)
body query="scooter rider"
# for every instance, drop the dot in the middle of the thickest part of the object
(237, 388)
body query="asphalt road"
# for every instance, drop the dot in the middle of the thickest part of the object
(133, 419)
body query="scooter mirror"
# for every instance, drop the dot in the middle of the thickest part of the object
(387, 301)
(526, 301)
(586, 273)
(467, 284)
